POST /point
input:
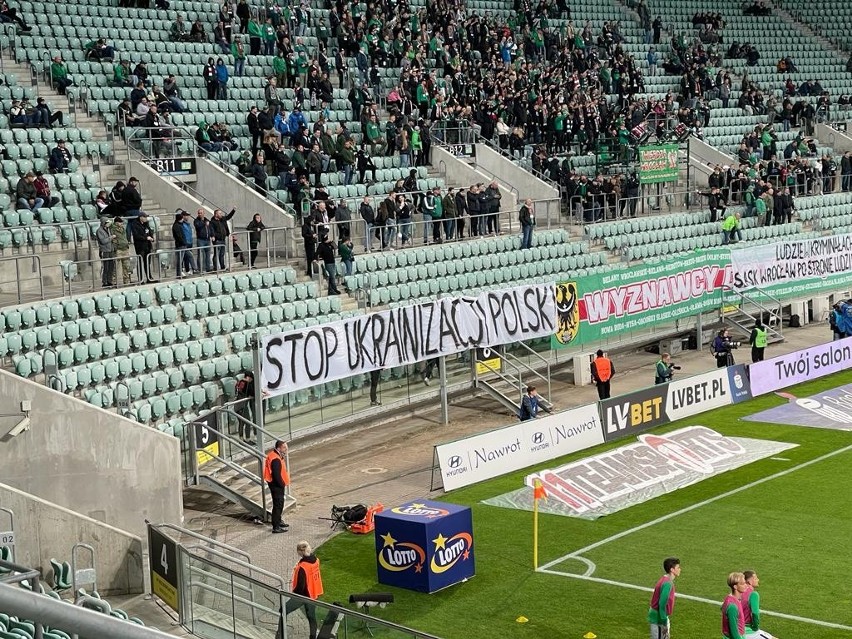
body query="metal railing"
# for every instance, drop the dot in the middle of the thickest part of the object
(222, 596)
(753, 303)
(73, 272)
(167, 140)
(625, 208)
(19, 280)
(542, 362)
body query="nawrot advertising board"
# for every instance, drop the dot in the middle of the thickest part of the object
(424, 545)
(497, 452)
(597, 307)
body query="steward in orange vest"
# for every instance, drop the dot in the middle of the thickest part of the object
(307, 580)
(277, 478)
(602, 372)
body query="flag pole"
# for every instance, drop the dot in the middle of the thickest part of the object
(535, 523)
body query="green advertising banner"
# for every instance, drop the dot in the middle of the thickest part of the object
(596, 307)
(658, 164)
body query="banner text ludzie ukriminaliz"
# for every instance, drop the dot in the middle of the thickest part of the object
(302, 358)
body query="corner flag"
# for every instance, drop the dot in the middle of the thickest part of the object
(539, 493)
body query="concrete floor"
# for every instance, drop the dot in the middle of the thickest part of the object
(392, 463)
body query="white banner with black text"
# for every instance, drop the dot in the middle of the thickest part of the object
(314, 355)
(488, 455)
(791, 260)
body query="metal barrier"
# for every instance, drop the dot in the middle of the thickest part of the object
(219, 596)
(166, 140)
(625, 208)
(19, 281)
(419, 231)
(47, 611)
(70, 270)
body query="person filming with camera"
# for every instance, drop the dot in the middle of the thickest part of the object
(722, 347)
(665, 369)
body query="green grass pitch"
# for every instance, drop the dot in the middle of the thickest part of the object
(795, 530)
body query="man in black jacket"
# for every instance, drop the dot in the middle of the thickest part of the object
(309, 235)
(254, 129)
(143, 242)
(527, 221)
(325, 252)
(787, 206)
(131, 200)
(492, 212)
(474, 207)
(715, 201)
(368, 214)
(180, 242)
(202, 233)
(846, 169)
(219, 232)
(461, 210)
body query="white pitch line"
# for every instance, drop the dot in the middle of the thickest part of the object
(770, 613)
(682, 511)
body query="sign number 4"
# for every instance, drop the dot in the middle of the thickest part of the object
(164, 560)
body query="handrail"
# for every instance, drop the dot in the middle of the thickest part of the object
(515, 360)
(17, 259)
(246, 602)
(200, 537)
(227, 166)
(210, 575)
(535, 372)
(247, 565)
(60, 614)
(517, 381)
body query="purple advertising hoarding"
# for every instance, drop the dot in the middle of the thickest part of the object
(800, 366)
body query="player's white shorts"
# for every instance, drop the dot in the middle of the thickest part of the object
(660, 631)
(760, 634)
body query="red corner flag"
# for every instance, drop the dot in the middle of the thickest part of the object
(538, 491)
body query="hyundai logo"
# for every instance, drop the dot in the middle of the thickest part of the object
(538, 438)
(455, 461)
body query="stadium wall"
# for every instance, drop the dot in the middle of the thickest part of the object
(460, 174)
(504, 169)
(165, 192)
(90, 460)
(227, 191)
(837, 140)
(703, 157)
(45, 530)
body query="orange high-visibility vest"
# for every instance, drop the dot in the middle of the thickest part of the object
(271, 456)
(604, 368)
(312, 578)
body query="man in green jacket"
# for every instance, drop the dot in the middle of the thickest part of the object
(731, 229)
(238, 50)
(347, 161)
(450, 212)
(374, 136)
(437, 215)
(279, 67)
(59, 75)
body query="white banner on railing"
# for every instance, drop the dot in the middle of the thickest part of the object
(791, 260)
(317, 354)
(480, 457)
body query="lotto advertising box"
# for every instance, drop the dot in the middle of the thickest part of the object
(424, 545)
